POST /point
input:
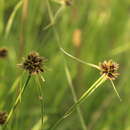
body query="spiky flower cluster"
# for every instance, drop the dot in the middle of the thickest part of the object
(3, 52)
(3, 117)
(109, 68)
(33, 63)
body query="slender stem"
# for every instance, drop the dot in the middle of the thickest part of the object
(41, 101)
(84, 96)
(77, 59)
(11, 18)
(115, 90)
(75, 97)
(18, 99)
(53, 18)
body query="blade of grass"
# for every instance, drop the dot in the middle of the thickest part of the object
(53, 18)
(115, 90)
(77, 59)
(67, 71)
(84, 96)
(69, 79)
(11, 18)
(18, 99)
(41, 100)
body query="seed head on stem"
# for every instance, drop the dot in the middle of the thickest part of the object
(109, 68)
(33, 63)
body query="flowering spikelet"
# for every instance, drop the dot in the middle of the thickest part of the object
(3, 117)
(33, 63)
(3, 52)
(109, 68)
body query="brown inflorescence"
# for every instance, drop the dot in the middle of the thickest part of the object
(109, 68)
(33, 63)
(3, 117)
(3, 52)
(68, 2)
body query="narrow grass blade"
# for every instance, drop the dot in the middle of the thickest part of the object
(87, 93)
(50, 15)
(53, 18)
(120, 49)
(41, 100)
(77, 59)
(18, 99)
(11, 18)
(84, 96)
(115, 90)
(69, 79)
(15, 84)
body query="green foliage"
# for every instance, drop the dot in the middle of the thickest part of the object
(102, 28)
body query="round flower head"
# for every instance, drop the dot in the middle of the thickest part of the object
(33, 63)
(3, 117)
(109, 68)
(3, 52)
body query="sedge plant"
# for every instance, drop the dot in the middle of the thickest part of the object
(108, 70)
(33, 64)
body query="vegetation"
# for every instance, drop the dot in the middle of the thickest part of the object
(64, 65)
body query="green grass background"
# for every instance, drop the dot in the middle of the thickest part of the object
(105, 28)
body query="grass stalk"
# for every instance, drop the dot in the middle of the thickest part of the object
(81, 61)
(18, 99)
(69, 79)
(53, 19)
(11, 18)
(115, 90)
(88, 92)
(66, 69)
(41, 100)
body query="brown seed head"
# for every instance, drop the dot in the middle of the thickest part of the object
(109, 68)
(3, 52)
(3, 117)
(68, 2)
(33, 63)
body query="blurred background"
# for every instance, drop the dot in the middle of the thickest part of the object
(92, 30)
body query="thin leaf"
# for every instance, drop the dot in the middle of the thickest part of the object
(69, 79)
(11, 18)
(115, 90)
(77, 59)
(81, 99)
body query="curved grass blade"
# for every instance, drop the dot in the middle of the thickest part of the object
(77, 59)
(115, 90)
(88, 92)
(11, 18)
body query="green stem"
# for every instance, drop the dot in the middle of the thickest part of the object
(11, 18)
(41, 101)
(77, 59)
(75, 97)
(84, 96)
(18, 99)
